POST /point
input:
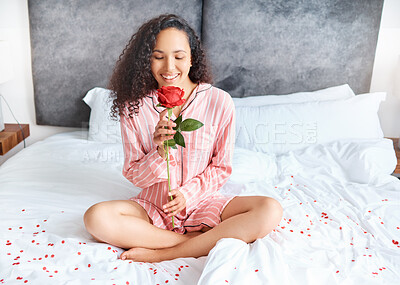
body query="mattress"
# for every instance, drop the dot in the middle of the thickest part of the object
(341, 220)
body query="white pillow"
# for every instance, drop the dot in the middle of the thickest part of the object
(101, 127)
(283, 127)
(364, 160)
(331, 93)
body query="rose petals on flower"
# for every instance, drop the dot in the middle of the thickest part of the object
(170, 96)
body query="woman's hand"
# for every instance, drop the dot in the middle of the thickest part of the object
(163, 131)
(176, 205)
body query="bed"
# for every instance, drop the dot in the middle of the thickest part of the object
(312, 144)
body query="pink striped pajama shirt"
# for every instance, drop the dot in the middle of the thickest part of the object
(199, 170)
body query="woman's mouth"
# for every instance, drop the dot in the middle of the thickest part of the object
(169, 77)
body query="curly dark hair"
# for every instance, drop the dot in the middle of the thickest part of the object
(132, 78)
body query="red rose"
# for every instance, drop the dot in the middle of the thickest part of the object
(170, 96)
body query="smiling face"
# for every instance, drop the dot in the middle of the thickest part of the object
(171, 59)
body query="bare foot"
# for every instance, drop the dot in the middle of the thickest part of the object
(139, 254)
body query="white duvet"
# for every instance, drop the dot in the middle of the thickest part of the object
(341, 222)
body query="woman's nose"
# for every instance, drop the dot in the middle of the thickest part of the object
(170, 63)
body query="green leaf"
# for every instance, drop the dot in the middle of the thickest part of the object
(178, 122)
(179, 139)
(189, 125)
(159, 105)
(174, 147)
(171, 143)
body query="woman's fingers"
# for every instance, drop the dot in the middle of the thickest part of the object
(176, 205)
(163, 115)
(172, 205)
(163, 131)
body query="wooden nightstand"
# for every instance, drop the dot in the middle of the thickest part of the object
(397, 150)
(11, 136)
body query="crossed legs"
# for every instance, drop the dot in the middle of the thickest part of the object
(126, 224)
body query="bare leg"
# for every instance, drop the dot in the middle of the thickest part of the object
(244, 218)
(125, 224)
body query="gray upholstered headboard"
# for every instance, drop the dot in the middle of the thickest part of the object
(255, 47)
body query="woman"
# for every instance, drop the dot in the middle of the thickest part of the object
(166, 52)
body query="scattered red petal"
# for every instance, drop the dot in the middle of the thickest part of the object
(256, 270)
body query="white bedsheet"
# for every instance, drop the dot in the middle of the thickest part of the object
(341, 222)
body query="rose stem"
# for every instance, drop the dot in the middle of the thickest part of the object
(169, 182)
